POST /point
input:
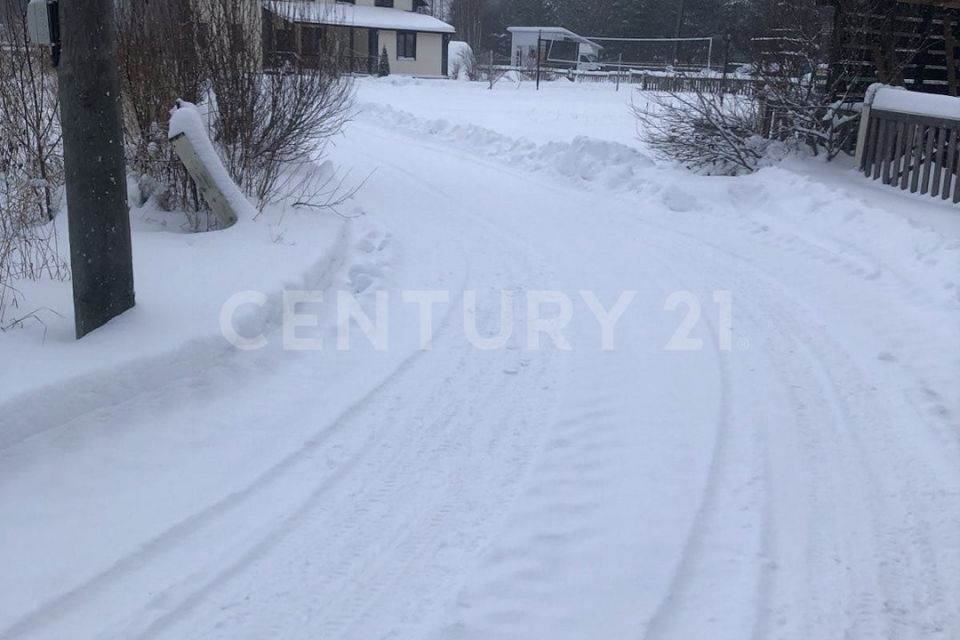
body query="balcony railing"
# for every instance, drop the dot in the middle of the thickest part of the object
(346, 63)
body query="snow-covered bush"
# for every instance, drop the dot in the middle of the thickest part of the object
(462, 61)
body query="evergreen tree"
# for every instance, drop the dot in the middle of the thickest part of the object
(383, 68)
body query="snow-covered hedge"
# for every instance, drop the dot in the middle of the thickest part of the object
(463, 63)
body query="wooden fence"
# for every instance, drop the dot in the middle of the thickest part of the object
(909, 151)
(691, 84)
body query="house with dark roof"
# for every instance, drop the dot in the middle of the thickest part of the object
(415, 43)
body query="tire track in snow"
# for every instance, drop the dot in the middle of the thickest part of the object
(870, 609)
(184, 535)
(815, 254)
(728, 511)
(347, 608)
(866, 491)
(707, 512)
(192, 587)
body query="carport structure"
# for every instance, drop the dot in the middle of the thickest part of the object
(525, 40)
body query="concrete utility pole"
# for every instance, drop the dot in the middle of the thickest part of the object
(726, 63)
(99, 215)
(681, 14)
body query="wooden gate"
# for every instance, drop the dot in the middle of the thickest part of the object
(910, 151)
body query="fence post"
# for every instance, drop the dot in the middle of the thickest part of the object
(491, 71)
(539, 53)
(862, 136)
(864, 128)
(619, 71)
(726, 62)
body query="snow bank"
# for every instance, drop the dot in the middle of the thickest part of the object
(584, 160)
(182, 281)
(921, 104)
(185, 119)
(514, 107)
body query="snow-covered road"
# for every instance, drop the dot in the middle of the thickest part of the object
(790, 472)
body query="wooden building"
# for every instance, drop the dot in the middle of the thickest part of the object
(913, 43)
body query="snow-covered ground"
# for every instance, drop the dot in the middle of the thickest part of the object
(782, 464)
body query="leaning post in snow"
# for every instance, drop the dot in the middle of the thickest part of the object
(539, 53)
(864, 128)
(101, 256)
(619, 71)
(491, 72)
(195, 151)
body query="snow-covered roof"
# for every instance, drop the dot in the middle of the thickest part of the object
(349, 15)
(554, 33)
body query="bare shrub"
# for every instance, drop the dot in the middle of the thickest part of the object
(799, 103)
(267, 123)
(702, 131)
(802, 100)
(31, 166)
(29, 114)
(159, 62)
(494, 69)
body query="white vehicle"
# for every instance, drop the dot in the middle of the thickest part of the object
(588, 57)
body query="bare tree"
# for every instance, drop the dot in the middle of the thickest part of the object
(439, 9)
(467, 17)
(267, 123)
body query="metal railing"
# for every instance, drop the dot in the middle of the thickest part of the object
(275, 61)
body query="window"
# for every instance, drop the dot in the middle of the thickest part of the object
(311, 40)
(286, 40)
(384, 3)
(406, 45)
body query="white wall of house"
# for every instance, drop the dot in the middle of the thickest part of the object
(429, 61)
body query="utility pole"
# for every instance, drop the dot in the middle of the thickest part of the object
(681, 14)
(99, 215)
(726, 63)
